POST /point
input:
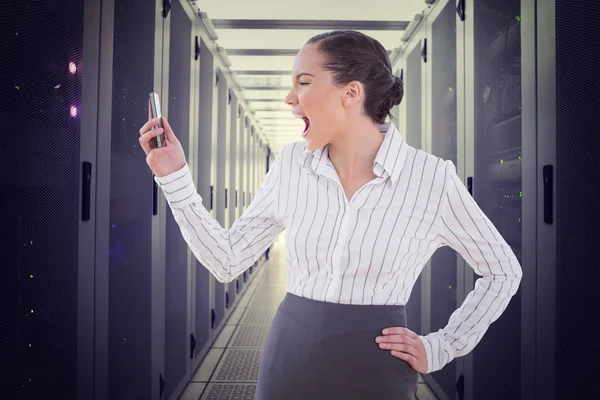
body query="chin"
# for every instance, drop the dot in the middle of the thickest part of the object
(310, 145)
(312, 142)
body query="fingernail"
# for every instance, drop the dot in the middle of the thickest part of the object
(378, 340)
(385, 331)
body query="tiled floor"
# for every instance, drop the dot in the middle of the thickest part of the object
(230, 369)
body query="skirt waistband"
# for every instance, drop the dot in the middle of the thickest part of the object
(308, 310)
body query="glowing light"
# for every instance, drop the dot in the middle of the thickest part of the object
(57, 86)
(73, 111)
(72, 67)
(31, 276)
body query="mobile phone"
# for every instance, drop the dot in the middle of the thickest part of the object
(156, 113)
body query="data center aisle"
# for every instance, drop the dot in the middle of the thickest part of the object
(230, 369)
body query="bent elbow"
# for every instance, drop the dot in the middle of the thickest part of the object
(224, 278)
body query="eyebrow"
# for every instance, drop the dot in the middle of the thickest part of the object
(298, 76)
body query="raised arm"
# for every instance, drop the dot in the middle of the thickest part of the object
(464, 227)
(226, 254)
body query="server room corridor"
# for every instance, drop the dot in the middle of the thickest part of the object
(230, 368)
(126, 277)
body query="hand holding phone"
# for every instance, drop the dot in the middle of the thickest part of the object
(164, 154)
(155, 112)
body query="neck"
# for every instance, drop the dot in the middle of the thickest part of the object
(354, 148)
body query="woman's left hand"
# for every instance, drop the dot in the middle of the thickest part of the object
(405, 345)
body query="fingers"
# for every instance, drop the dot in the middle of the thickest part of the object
(398, 342)
(148, 125)
(168, 131)
(400, 330)
(145, 139)
(403, 347)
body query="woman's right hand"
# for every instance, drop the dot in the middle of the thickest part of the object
(164, 160)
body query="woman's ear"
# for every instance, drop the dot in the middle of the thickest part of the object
(353, 93)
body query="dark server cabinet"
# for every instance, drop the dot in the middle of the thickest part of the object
(497, 179)
(220, 174)
(232, 180)
(243, 174)
(568, 302)
(251, 179)
(412, 128)
(440, 55)
(179, 61)
(132, 204)
(202, 302)
(46, 236)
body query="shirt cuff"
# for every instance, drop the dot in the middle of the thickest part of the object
(438, 350)
(178, 188)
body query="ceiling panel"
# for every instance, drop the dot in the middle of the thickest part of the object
(252, 80)
(285, 63)
(266, 94)
(289, 39)
(278, 114)
(380, 10)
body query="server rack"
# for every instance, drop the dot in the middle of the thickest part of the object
(443, 55)
(243, 155)
(220, 164)
(567, 308)
(233, 181)
(46, 288)
(410, 68)
(179, 63)
(438, 56)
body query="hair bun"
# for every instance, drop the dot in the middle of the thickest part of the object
(397, 91)
(393, 97)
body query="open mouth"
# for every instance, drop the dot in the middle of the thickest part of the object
(306, 127)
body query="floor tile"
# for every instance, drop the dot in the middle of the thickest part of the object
(208, 365)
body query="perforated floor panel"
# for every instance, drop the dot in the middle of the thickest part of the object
(216, 391)
(249, 336)
(238, 366)
(267, 301)
(258, 316)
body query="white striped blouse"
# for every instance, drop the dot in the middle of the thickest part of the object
(369, 250)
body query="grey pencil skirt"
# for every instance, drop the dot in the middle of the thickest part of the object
(317, 350)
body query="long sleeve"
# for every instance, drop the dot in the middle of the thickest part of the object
(465, 228)
(226, 254)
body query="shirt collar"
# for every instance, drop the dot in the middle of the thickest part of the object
(388, 161)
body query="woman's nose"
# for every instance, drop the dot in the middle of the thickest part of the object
(290, 99)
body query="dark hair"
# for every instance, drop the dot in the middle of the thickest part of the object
(354, 56)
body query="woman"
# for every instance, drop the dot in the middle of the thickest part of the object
(364, 212)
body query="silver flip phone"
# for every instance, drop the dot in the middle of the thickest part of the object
(156, 113)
